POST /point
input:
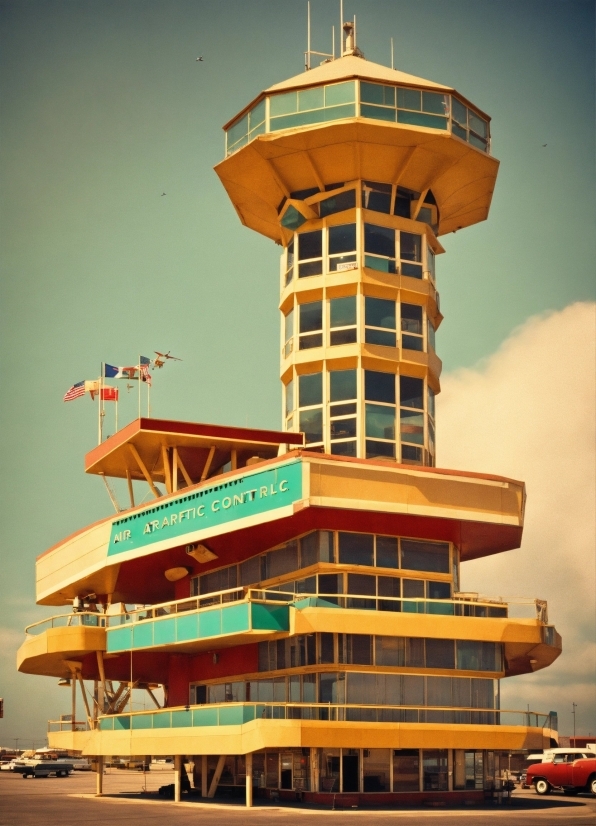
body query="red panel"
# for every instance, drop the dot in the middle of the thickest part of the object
(178, 679)
(231, 662)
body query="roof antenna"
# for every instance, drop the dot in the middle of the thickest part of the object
(309, 51)
(392, 66)
(350, 47)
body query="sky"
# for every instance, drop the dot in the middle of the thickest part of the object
(104, 107)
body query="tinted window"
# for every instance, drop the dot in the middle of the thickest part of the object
(410, 392)
(342, 238)
(379, 387)
(342, 385)
(342, 311)
(356, 549)
(440, 654)
(310, 389)
(380, 313)
(311, 316)
(379, 240)
(310, 245)
(425, 556)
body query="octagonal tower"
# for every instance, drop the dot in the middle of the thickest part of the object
(356, 170)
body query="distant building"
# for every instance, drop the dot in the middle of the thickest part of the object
(297, 593)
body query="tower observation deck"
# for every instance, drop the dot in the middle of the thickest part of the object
(296, 596)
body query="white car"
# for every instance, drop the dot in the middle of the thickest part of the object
(7, 765)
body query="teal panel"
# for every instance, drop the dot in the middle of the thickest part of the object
(420, 119)
(106, 724)
(377, 112)
(162, 719)
(119, 639)
(164, 631)
(181, 719)
(187, 627)
(270, 618)
(214, 504)
(142, 635)
(412, 607)
(204, 717)
(340, 93)
(235, 715)
(210, 623)
(381, 264)
(234, 618)
(142, 721)
(121, 723)
(445, 608)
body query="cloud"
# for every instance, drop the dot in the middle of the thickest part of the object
(527, 412)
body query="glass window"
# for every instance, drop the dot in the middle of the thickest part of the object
(288, 330)
(311, 424)
(338, 203)
(339, 93)
(410, 251)
(313, 98)
(403, 202)
(379, 450)
(377, 93)
(376, 768)
(342, 319)
(376, 197)
(342, 429)
(292, 218)
(283, 104)
(379, 387)
(431, 402)
(411, 325)
(290, 262)
(380, 313)
(356, 549)
(310, 246)
(425, 556)
(406, 770)
(329, 770)
(250, 571)
(390, 651)
(388, 586)
(379, 240)
(434, 770)
(326, 648)
(342, 247)
(386, 547)
(478, 656)
(413, 588)
(283, 561)
(316, 547)
(409, 99)
(310, 389)
(439, 590)
(332, 688)
(435, 103)
(330, 584)
(380, 421)
(411, 390)
(289, 397)
(358, 649)
(342, 385)
(362, 585)
(440, 654)
(459, 112)
(311, 325)
(411, 426)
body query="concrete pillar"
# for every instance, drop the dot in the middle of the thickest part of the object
(177, 777)
(99, 776)
(204, 767)
(249, 780)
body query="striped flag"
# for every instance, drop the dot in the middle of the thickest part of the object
(75, 391)
(144, 370)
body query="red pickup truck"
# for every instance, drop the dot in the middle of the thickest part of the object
(572, 776)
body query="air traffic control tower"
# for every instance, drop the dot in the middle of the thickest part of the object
(291, 601)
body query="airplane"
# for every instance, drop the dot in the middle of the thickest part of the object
(163, 357)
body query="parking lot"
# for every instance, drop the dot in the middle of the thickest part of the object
(131, 797)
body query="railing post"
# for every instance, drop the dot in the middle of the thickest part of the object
(249, 780)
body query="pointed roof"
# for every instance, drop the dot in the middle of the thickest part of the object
(352, 66)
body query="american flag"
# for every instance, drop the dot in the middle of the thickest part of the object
(75, 391)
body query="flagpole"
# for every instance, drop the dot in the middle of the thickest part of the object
(116, 412)
(148, 398)
(99, 406)
(139, 386)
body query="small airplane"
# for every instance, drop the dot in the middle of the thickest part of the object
(198, 59)
(163, 357)
(130, 387)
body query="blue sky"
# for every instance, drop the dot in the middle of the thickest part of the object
(104, 107)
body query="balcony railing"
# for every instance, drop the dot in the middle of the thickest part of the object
(85, 618)
(68, 725)
(232, 714)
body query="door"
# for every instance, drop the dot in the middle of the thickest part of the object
(286, 771)
(351, 773)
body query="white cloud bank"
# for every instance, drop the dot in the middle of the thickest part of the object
(528, 413)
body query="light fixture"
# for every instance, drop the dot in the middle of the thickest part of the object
(200, 552)
(64, 682)
(174, 574)
(215, 659)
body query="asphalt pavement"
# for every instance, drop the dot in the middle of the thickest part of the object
(131, 797)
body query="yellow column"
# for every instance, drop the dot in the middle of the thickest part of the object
(177, 777)
(204, 788)
(249, 780)
(99, 776)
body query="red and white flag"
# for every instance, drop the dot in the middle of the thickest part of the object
(109, 394)
(75, 391)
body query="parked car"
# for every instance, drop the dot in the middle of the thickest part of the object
(7, 765)
(572, 776)
(42, 768)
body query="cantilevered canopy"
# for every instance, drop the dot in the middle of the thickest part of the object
(179, 454)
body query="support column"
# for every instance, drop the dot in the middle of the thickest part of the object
(99, 777)
(248, 780)
(204, 767)
(177, 777)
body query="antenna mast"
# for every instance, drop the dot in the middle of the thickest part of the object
(309, 52)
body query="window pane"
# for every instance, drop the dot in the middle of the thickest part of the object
(331, 688)
(439, 590)
(411, 318)
(406, 770)
(413, 588)
(435, 103)
(311, 98)
(412, 343)
(431, 402)
(342, 238)
(338, 203)
(413, 690)
(434, 771)
(310, 245)
(310, 389)
(311, 424)
(343, 429)
(283, 104)
(347, 336)
(283, 561)
(411, 455)
(440, 654)
(389, 651)
(477, 124)
(380, 421)
(289, 397)
(380, 264)
(387, 552)
(379, 450)
(376, 197)
(330, 584)
(381, 337)
(340, 93)
(311, 340)
(359, 649)
(342, 311)
(237, 130)
(402, 205)
(379, 312)
(356, 549)
(342, 385)
(411, 427)
(326, 648)
(379, 387)
(343, 410)
(459, 112)
(250, 571)
(375, 93)
(311, 316)
(409, 99)
(343, 448)
(410, 246)
(425, 556)
(379, 240)
(289, 325)
(410, 392)
(411, 270)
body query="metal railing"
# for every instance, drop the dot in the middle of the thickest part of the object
(223, 714)
(68, 725)
(88, 619)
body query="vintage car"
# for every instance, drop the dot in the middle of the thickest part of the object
(42, 768)
(564, 772)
